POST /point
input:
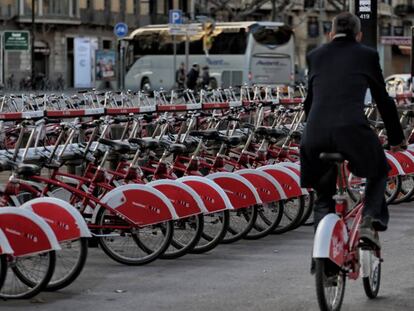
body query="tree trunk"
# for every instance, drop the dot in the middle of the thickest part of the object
(273, 18)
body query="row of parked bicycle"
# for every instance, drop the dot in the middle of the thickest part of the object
(151, 183)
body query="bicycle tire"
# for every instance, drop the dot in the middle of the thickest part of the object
(241, 222)
(141, 255)
(327, 274)
(265, 225)
(290, 220)
(3, 269)
(178, 247)
(372, 282)
(308, 210)
(407, 191)
(74, 270)
(17, 274)
(57, 283)
(392, 189)
(211, 238)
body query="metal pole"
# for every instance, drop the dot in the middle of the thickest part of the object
(187, 52)
(192, 10)
(412, 61)
(32, 76)
(367, 11)
(175, 59)
(122, 65)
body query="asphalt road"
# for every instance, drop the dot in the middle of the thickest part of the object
(268, 274)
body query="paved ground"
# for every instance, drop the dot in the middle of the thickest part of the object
(269, 274)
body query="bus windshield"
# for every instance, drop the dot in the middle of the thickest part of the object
(271, 35)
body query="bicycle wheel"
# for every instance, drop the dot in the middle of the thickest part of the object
(330, 285)
(268, 218)
(70, 261)
(3, 269)
(371, 272)
(392, 189)
(28, 275)
(215, 228)
(187, 233)
(307, 220)
(407, 189)
(292, 214)
(132, 246)
(241, 222)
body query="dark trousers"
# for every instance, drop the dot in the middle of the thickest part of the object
(375, 205)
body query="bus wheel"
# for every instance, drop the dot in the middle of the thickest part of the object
(146, 85)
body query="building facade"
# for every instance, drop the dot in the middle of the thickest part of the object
(58, 23)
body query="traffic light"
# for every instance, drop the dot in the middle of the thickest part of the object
(208, 29)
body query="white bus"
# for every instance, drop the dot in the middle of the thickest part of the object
(242, 52)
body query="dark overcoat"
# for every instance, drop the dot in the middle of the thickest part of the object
(340, 73)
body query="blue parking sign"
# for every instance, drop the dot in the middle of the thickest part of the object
(176, 17)
(121, 30)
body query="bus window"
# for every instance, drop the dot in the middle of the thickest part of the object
(230, 43)
(271, 35)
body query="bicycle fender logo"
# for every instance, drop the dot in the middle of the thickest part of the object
(337, 244)
(150, 208)
(28, 236)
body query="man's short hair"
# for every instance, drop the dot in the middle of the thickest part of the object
(346, 23)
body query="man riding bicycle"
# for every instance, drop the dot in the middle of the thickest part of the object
(340, 73)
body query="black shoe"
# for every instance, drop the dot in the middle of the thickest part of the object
(379, 226)
(367, 234)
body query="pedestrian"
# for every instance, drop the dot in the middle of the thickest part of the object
(192, 77)
(205, 78)
(180, 76)
(339, 74)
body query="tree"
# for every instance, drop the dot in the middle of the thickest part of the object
(239, 10)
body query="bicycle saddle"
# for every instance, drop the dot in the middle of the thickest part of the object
(150, 144)
(232, 141)
(332, 157)
(296, 135)
(115, 145)
(177, 148)
(28, 170)
(208, 134)
(271, 132)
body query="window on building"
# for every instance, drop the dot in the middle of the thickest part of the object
(83, 4)
(28, 7)
(309, 4)
(313, 27)
(160, 6)
(106, 44)
(115, 6)
(145, 7)
(99, 4)
(56, 7)
(129, 6)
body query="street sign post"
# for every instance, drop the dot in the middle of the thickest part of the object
(121, 30)
(16, 40)
(175, 18)
(367, 11)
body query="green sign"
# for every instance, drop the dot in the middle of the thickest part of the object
(16, 40)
